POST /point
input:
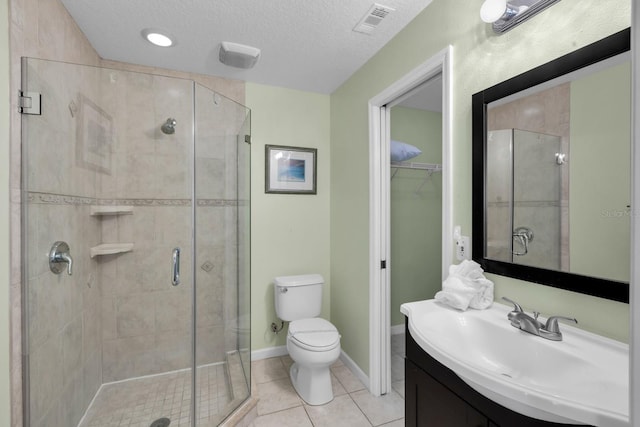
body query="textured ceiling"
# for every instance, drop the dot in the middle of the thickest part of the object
(306, 44)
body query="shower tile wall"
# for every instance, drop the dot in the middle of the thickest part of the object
(64, 316)
(546, 112)
(146, 320)
(41, 30)
(537, 186)
(45, 30)
(499, 195)
(118, 316)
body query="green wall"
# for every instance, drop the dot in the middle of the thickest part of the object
(480, 59)
(416, 212)
(289, 233)
(600, 161)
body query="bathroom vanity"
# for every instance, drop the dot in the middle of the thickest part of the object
(436, 396)
(473, 368)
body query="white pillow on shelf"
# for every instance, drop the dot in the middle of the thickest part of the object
(401, 151)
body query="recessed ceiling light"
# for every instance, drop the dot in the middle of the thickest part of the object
(157, 37)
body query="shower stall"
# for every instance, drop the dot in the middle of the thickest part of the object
(141, 317)
(526, 198)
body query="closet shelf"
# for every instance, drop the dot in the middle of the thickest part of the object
(429, 167)
(101, 210)
(414, 165)
(111, 248)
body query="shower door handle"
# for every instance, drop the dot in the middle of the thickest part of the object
(524, 236)
(175, 267)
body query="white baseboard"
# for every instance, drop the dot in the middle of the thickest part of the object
(359, 373)
(397, 329)
(266, 353)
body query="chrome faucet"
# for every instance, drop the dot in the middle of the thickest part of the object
(521, 320)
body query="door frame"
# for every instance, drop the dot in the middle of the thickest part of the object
(379, 204)
(634, 296)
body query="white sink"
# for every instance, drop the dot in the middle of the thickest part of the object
(582, 379)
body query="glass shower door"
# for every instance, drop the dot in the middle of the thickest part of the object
(136, 173)
(524, 223)
(61, 333)
(109, 338)
(499, 197)
(537, 193)
(222, 135)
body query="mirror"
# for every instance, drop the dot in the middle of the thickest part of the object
(551, 172)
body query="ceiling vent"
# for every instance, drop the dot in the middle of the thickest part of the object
(238, 55)
(372, 18)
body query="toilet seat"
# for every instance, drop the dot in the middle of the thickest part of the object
(314, 334)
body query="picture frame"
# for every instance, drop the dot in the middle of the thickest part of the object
(290, 170)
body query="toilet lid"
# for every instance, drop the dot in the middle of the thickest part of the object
(316, 333)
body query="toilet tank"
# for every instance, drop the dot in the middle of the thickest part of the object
(298, 297)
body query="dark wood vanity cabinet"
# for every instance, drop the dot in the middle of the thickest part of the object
(436, 397)
(429, 403)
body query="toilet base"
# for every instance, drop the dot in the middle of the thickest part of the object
(312, 385)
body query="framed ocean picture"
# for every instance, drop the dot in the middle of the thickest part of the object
(290, 170)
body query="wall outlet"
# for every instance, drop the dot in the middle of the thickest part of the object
(463, 250)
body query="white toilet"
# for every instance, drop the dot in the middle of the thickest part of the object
(313, 343)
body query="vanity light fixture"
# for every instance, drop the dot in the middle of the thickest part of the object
(158, 37)
(504, 15)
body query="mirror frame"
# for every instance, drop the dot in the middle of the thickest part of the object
(608, 47)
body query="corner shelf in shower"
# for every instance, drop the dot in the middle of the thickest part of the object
(102, 210)
(111, 249)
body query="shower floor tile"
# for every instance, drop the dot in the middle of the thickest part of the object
(141, 401)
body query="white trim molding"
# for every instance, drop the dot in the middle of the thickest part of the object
(353, 367)
(266, 353)
(397, 329)
(379, 304)
(634, 296)
(279, 351)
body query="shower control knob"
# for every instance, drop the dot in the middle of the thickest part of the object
(58, 255)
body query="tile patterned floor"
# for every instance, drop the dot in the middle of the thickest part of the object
(141, 401)
(352, 406)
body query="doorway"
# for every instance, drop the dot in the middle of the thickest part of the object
(415, 208)
(432, 73)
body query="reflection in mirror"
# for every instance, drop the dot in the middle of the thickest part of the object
(524, 210)
(558, 173)
(552, 161)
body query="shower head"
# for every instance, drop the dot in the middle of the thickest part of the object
(169, 127)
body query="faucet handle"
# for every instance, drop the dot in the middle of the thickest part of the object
(516, 306)
(552, 323)
(59, 254)
(512, 316)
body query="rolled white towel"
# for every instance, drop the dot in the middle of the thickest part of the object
(456, 293)
(484, 296)
(466, 287)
